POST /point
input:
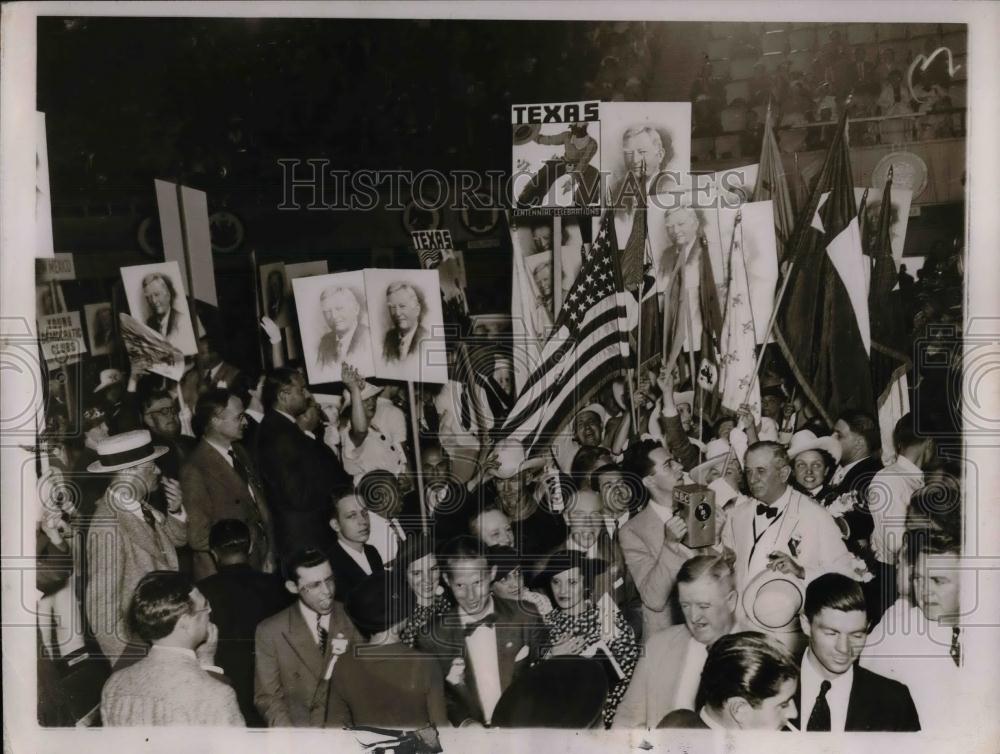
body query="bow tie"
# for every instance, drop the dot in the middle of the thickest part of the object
(489, 619)
(766, 510)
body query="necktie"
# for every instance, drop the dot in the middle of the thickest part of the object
(633, 257)
(956, 648)
(819, 718)
(766, 510)
(465, 409)
(147, 514)
(322, 633)
(489, 619)
(239, 468)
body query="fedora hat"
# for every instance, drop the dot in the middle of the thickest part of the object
(804, 440)
(107, 378)
(563, 560)
(716, 453)
(125, 450)
(771, 602)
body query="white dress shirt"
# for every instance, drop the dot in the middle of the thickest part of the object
(310, 616)
(358, 557)
(482, 654)
(404, 344)
(837, 697)
(888, 500)
(690, 675)
(841, 472)
(386, 536)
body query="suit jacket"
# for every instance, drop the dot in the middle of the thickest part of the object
(121, 549)
(391, 344)
(347, 574)
(168, 688)
(654, 564)
(858, 480)
(516, 629)
(213, 490)
(298, 478)
(289, 685)
(226, 373)
(241, 598)
(650, 695)
(876, 703)
(330, 347)
(804, 526)
(683, 718)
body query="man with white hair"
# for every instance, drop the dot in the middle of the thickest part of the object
(348, 336)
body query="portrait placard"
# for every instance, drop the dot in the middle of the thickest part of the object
(100, 319)
(333, 323)
(156, 297)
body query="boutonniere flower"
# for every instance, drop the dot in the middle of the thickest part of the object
(339, 645)
(843, 504)
(793, 545)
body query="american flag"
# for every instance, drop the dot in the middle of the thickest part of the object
(588, 346)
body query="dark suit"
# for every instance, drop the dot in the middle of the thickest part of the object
(347, 574)
(858, 479)
(391, 344)
(179, 448)
(876, 703)
(298, 479)
(241, 598)
(515, 628)
(225, 373)
(289, 685)
(213, 490)
(331, 350)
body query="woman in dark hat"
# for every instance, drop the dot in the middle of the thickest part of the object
(384, 683)
(578, 626)
(508, 580)
(416, 563)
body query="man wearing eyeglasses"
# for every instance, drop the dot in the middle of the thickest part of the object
(298, 648)
(160, 417)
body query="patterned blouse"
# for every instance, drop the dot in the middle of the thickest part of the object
(586, 624)
(421, 619)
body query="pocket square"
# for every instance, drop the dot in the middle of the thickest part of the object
(522, 653)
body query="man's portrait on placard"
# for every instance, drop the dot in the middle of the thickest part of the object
(333, 322)
(156, 297)
(276, 292)
(407, 324)
(100, 319)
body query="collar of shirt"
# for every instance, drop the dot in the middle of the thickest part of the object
(345, 340)
(781, 503)
(183, 651)
(708, 720)
(310, 616)
(254, 414)
(406, 340)
(287, 416)
(908, 467)
(841, 472)
(837, 697)
(214, 371)
(223, 450)
(464, 618)
(358, 557)
(309, 434)
(662, 512)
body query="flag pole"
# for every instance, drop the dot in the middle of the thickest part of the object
(418, 471)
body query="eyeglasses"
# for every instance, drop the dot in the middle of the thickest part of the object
(164, 413)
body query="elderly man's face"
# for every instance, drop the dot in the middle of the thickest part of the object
(157, 296)
(640, 152)
(588, 429)
(340, 310)
(766, 476)
(404, 309)
(543, 279)
(682, 226)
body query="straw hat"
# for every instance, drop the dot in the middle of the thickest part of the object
(716, 452)
(125, 450)
(772, 601)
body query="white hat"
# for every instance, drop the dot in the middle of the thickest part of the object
(125, 450)
(595, 408)
(772, 601)
(716, 452)
(804, 440)
(109, 377)
(768, 429)
(686, 396)
(511, 457)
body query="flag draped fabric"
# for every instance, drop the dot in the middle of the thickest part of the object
(822, 326)
(736, 373)
(890, 358)
(588, 347)
(772, 184)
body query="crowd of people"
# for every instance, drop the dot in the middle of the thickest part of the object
(239, 556)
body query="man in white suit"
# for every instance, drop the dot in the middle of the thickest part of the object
(668, 674)
(779, 528)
